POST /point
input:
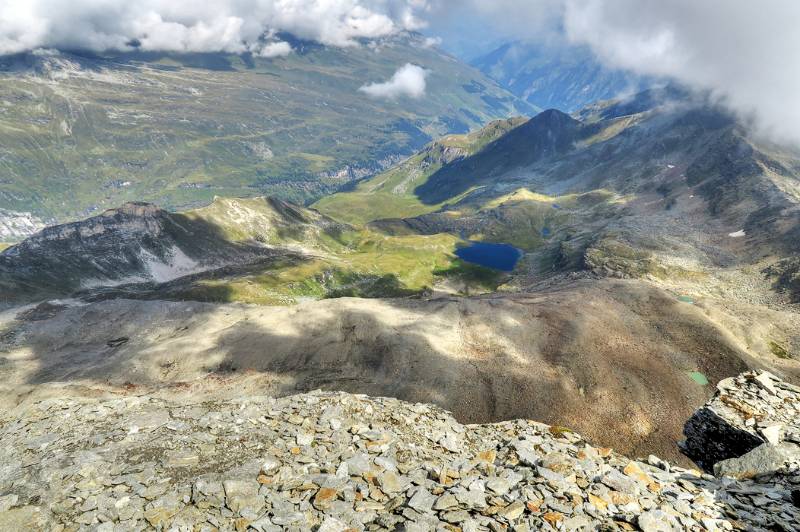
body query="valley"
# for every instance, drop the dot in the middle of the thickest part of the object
(645, 270)
(399, 265)
(179, 129)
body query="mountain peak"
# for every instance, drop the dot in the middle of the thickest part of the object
(553, 119)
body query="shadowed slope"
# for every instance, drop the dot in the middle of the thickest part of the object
(610, 359)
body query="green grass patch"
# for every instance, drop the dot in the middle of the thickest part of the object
(699, 378)
(778, 350)
(471, 274)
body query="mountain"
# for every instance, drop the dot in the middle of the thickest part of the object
(656, 240)
(80, 133)
(662, 186)
(557, 76)
(390, 193)
(661, 154)
(140, 243)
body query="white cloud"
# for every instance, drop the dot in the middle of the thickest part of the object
(747, 53)
(409, 80)
(187, 25)
(276, 49)
(431, 42)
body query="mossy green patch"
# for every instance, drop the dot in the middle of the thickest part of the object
(778, 350)
(471, 274)
(559, 431)
(699, 378)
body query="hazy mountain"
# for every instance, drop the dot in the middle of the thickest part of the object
(84, 132)
(557, 76)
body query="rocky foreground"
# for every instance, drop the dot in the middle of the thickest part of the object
(335, 462)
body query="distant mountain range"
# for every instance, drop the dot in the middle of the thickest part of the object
(559, 76)
(82, 132)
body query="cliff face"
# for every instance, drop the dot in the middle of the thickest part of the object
(335, 462)
(126, 222)
(134, 243)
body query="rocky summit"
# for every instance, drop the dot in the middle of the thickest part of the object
(335, 461)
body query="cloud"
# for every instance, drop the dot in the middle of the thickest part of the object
(189, 26)
(746, 52)
(276, 49)
(431, 42)
(409, 80)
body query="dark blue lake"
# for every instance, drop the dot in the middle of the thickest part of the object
(496, 256)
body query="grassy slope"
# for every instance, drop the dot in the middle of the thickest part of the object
(372, 266)
(334, 259)
(180, 130)
(391, 193)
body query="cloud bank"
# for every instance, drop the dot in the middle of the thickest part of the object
(276, 49)
(188, 26)
(747, 53)
(409, 81)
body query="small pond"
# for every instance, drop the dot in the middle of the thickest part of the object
(496, 256)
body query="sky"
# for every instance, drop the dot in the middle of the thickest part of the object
(744, 52)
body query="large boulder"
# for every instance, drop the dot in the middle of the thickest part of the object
(751, 427)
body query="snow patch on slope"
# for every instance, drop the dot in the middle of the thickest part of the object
(154, 270)
(178, 266)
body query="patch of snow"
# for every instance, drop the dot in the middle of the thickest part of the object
(737, 234)
(155, 269)
(88, 284)
(178, 266)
